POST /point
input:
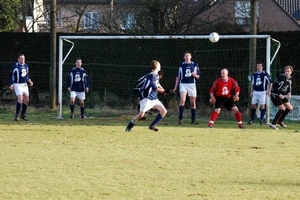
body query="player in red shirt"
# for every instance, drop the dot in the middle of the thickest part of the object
(225, 91)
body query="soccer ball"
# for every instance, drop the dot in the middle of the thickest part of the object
(214, 37)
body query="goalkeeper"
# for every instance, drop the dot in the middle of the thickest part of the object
(225, 91)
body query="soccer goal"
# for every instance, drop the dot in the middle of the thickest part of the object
(115, 62)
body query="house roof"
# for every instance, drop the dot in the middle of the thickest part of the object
(291, 6)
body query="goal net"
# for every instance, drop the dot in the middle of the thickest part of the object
(114, 63)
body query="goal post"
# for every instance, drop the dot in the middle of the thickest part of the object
(121, 46)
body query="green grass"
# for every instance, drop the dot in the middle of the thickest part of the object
(48, 158)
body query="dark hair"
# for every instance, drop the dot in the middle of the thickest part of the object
(188, 53)
(20, 54)
(260, 62)
(161, 73)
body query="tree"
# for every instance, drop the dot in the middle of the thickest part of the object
(9, 11)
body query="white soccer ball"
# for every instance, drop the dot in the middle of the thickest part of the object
(214, 37)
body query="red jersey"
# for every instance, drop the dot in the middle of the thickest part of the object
(224, 89)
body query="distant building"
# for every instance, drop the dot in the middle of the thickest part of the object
(119, 16)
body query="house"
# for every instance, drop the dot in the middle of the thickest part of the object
(202, 16)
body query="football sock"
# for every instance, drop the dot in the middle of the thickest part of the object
(72, 108)
(24, 108)
(286, 112)
(130, 125)
(253, 112)
(82, 111)
(193, 114)
(157, 119)
(262, 114)
(213, 116)
(277, 116)
(181, 109)
(238, 117)
(18, 108)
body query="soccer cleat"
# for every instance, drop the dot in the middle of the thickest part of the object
(180, 121)
(24, 117)
(72, 115)
(127, 130)
(210, 125)
(261, 122)
(153, 128)
(194, 122)
(17, 118)
(282, 124)
(251, 121)
(241, 126)
(273, 126)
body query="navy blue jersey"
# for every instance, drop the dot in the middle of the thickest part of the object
(185, 70)
(150, 87)
(260, 81)
(78, 79)
(282, 85)
(19, 73)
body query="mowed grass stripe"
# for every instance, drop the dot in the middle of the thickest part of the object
(91, 160)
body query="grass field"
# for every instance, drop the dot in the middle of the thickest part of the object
(48, 158)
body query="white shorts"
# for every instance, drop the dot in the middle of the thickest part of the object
(189, 88)
(259, 97)
(21, 89)
(79, 95)
(146, 104)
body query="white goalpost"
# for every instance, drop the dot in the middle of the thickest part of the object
(70, 41)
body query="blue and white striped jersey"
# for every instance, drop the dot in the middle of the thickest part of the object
(19, 73)
(150, 87)
(185, 70)
(78, 79)
(260, 81)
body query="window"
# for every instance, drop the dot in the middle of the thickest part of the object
(129, 21)
(91, 20)
(242, 12)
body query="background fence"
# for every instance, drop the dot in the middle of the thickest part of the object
(114, 66)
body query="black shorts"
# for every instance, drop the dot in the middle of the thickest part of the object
(277, 101)
(228, 103)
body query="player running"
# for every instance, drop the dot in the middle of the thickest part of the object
(225, 91)
(149, 98)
